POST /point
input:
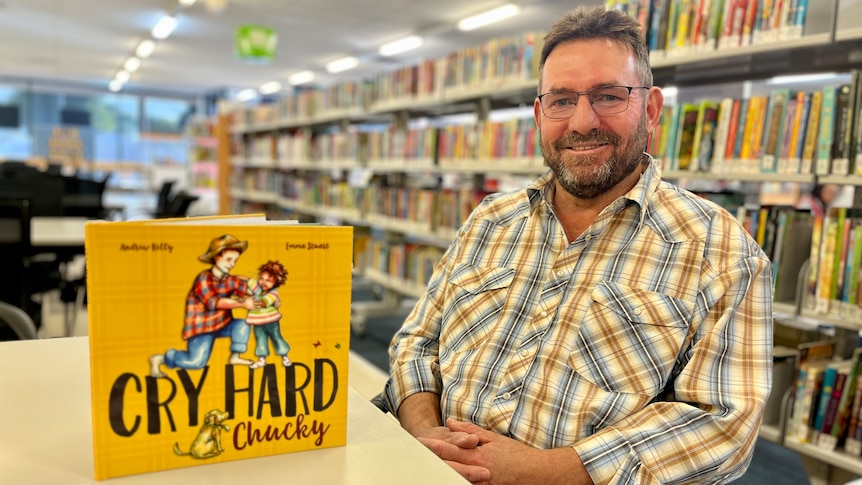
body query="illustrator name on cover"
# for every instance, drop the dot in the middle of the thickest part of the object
(308, 246)
(156, 246)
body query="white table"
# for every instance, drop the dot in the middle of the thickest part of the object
(57, 231)
(45, 402)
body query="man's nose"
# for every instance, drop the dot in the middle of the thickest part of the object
(584, 118)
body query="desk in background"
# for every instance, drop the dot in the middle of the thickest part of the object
(57, 232)
(47, 436)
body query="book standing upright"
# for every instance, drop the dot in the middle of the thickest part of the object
(215, 340)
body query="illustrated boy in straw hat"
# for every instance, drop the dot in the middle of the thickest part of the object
(214, 293)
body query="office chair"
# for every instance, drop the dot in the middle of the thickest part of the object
(25, 272)
(14, 319)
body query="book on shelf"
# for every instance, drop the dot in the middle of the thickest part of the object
(834, 382)
(832, 436)
(800, 122)
(823, 163)
(215, 339)
(685, 136)
(812, 360)
(809, 149)
(842, 131)
(775, 119)
(704, 135)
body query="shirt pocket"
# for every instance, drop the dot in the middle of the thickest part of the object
(476, 299)
(630, 338)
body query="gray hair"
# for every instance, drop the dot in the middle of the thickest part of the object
(585, 23)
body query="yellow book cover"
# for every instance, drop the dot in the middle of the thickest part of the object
(216, 339)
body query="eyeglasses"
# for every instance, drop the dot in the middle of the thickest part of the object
(605, 100)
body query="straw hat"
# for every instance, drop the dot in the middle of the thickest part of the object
(220, 244)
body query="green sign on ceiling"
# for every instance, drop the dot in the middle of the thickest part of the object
(255, 43)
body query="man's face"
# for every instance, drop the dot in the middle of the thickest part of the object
(226, 260)
(590, 154)
(266, 281)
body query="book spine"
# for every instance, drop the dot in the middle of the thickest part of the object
(827, 124)
(809, 151)
(841, 136)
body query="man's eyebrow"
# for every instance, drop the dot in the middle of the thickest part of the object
(566, 90)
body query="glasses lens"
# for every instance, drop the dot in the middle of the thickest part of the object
(609, 100)
(559, 105)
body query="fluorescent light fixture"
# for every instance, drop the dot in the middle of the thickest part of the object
(115, 85)
(246, 94)
(123, 76)
(187, 3)
(132, 64)
(164, 27)
(145, 48)
(401, 45)
(301, 77)
(489, 17)
(342, 64)
(271, 87)
(802, 78)
(669, 91)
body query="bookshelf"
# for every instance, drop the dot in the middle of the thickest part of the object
(372, 155)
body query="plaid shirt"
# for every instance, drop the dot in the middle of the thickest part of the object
(646, 344)
(202, 316)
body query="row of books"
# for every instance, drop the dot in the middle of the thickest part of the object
(511, 139)
(836, 262)
(403, 260)
(680, 27)
(494, 64)
(785, 235)
(438, 208)
(786, 132)
(827, 398)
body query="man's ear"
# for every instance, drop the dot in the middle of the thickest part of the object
(655, 102)
(537, 113)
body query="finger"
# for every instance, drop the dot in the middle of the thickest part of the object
(472, 473)
(446, 450)
(465, 427)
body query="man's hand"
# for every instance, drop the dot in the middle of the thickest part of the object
(445, 442)
(505, 460)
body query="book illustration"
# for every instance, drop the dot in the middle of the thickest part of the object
(266, 319)
(182, 368)
(214, 293)
(207, 444)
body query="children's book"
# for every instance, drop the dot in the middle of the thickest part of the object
(216, 339)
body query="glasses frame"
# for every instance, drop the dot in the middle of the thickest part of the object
(577, 95)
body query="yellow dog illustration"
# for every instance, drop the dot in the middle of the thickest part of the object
(207, 444)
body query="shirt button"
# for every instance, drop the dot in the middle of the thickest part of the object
(638, 310)
(525, 353)
(588, 237)
(543, 314)
(560, 273)
(507, 396)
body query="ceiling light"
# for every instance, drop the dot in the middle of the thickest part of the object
(164, 27)
(115, 85)
(401, 45)
(342, 64)
(489, 17)
(246, 94)
(271, 87)
(802, 78)
(122, 76)
(145, 48)
(187, 3)
(132, 64)
(669, 91)
(301, 77)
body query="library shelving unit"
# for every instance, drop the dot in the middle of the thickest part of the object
(386, 155)
(204, 164)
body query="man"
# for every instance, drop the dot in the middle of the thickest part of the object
(214, 293)
(599, 326)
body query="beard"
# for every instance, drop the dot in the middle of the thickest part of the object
(590, 181)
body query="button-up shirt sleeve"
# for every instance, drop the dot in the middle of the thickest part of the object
(706, 430)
